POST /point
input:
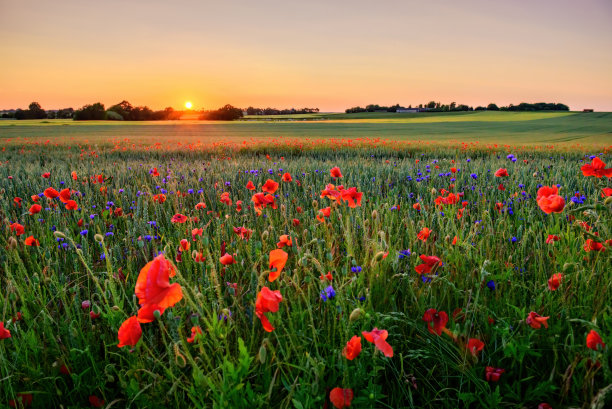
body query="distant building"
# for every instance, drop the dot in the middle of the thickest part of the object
(587, 110)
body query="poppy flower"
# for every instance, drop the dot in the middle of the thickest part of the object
(195, 331)
(196, 232)
(287, 177)
(493, 374)
(35, 198)
(227, 259)
(544, 405)
(4, 333)
(267, 301)
(417, 207)
(378, 338)
(454, 241)
(429, 263)
(593, 340)
(74, 175)
(185, 245)
(35, 208)
(250, 185)
(178, 218)
(243, 232)
(536, 321)
(475, 345)
(453, 170)
(341, 398)
(500, 173)
(238, 205)
(278, 259)
(17, 228)
(327, 276)
(424, 234)
(51, 193)
(606, 192)
(331, 193)
(325, 212)
(200, 206)
(555, 281)
(64, 195)
(335, 172)
(549, 201)
(552, 238)
(596, 168)
(352, 197)
(31, 241)
(46, 175)
(592, 245)
(129, 332)
(295, 222)
(159, 198)
(436, 320)
(95, 401)
(71, 205)
(225, 198)
(284, 240)
(153, 288)
(270, 186)
(154, 172)
(352, 348)
(23, 400)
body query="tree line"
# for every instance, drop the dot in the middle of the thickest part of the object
(433, 106)
(273, 111)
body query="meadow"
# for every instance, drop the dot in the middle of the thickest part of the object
(373, 264)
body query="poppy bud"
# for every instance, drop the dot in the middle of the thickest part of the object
(283, 208)
(265, 235)
(59, 235)
(356, 314)
(366, 223)
(262, 354)
(447, 238)
(12, 242)
(433, 191)
(156, 314)
(379, 256)
(374, 214)
(115, 308)
(99, 238)
(315, 204)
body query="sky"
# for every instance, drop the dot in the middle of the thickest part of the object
(330, 54)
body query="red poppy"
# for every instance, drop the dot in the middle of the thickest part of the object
(436, 320)
(327, 276)
(196, 232)
(536, 321)
(549, 201)
(200, 206)
(378, 338)
(154, 172)
(185, 245)
(195, 331)
(429, 263)
(544, 405)
(335, 172)
(74, 175)
(46, 175)
(238, 205)
(592, 245)
(552, 238)
(154, 290)
(287, 177)
(284, 240)
(129, 332)
(295, 222)
(501, 172)
(250, 185)
(453, 170)
(71, 205)
(23, 400)
(270, 186)
(454, 241)
(555, 281)
(596, 168)
(4, 333)
(35, 208)
(179, 218)
(227, 259)
(64, 195)
(35, 198)
(341, 398)
(475, 345)
(606, 192)
(332, 193)
(493, 374)
(352, 348)
(243, 232)
(51, 193)
(417, 207)
(267, 301)
(593, 340)
(424, 234)
(31, 241)
(352, 197)
(159, 198)
(17, 228)
(278, 259)
(95, 401)
(325, 212)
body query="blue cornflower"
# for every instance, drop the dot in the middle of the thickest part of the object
(328, 293)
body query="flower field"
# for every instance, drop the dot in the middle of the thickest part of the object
(365, 274)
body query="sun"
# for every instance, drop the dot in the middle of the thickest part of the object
(188, 105)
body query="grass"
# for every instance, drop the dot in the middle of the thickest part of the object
(494, 275)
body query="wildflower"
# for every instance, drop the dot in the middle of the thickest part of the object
(592, 245)
(195, 331)
(596, 168)
(328, 293)
(287, 177)
(436, 321)
(35, 208)
(267, 301)
(17, 228)
(71, 205)
(424, 234)
(352, 197)
(341, 398)
(200, 206)
(4, 333)
(270, 186)
(493, 374)
(555, 281)
(378, 338)
(185, 245)
(159, 198)
(327, 276)
(500, 173)
(227, 259)
(178, 218)
(475, 345)
(250, 185)
(31, 241)
(429, 263)
(593, 340)
(549, 201)
(153, 289)
(95, 401)
(552, 238)
(352, 348)
(536, 321)
(278, 259)
(51, 193)
(335, 172)
(129, 332)
(417, 207)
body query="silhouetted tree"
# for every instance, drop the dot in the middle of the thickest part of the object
(225, 113)
(90, 112)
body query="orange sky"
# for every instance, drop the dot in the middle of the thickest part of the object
(326, 54)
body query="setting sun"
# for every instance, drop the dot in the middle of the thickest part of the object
(188, 105)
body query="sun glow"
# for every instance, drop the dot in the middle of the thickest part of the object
(188, 105)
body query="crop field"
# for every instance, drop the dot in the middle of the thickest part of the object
(365, 264)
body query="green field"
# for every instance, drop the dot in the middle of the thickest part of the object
(486, 127)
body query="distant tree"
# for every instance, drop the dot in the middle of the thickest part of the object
(124, 108)
(64, 113)
(225, 113)
(90, 112)
(492, 107)
(431, 104)
(36, 112)
(113, 116)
